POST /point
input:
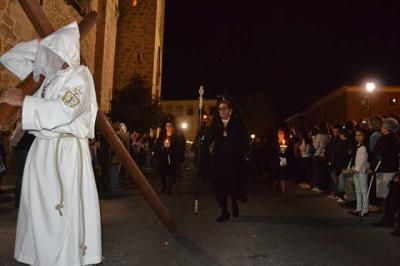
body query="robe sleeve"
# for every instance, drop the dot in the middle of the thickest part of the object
(50, 114)
(19, 60)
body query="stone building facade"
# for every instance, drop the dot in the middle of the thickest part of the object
(133, 28)
(97, 47)
(140, 43)
(106, 35)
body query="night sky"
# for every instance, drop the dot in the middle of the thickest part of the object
(294, 51)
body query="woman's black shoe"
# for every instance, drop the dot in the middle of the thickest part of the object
(223, 218)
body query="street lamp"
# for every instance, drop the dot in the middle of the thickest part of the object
(370, 87)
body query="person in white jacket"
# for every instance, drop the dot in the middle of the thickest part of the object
(360, 176)
(59, 217)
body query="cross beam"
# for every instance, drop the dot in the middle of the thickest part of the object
(29, 86)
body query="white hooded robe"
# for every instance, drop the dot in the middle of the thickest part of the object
(59, 217)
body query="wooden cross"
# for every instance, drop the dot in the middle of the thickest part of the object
(29, 86)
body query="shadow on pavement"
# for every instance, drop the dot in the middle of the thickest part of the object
(199, 254)
(320, 222)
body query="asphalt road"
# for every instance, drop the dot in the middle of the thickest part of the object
(306, 230)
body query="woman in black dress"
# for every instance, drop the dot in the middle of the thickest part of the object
(170, 152)
(280, 163)
(229, 135)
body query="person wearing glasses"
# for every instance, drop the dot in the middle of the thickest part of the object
(228, 133)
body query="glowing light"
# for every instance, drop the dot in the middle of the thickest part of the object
(253, 136)
(184, 125)
(370, 86)
(134, 3)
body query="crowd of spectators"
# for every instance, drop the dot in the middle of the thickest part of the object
(355, 164)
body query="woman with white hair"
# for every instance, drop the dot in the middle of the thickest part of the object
(387, 151)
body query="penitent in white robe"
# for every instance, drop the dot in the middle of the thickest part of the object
(62, 119)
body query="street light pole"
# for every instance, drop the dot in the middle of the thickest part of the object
(370, 87)
(197, 192)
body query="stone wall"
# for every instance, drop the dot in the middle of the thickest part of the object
(61, 14)
(139, 43)
(15, 27)
(97, 47)
(105, 52)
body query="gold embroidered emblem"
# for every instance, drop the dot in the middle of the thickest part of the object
(71, 98)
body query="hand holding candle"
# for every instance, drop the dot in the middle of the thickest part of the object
(167, 144)
(283, 146)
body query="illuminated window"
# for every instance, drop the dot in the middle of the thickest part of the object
(393, 102)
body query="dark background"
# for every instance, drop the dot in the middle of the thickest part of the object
(292, 51)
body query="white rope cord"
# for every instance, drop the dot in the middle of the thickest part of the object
(59, 206)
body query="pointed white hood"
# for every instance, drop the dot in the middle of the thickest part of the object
(57, 48)
(45, 56)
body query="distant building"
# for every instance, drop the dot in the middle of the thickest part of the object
(186, 113)
(348, 103)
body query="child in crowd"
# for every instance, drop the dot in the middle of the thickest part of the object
(360, 176)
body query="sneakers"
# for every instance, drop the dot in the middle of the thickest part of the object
(332, 196)
(317, 190)
(340, 201)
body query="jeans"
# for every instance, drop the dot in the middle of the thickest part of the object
(333, 181)
(114, 174)
(382, 184)
(361, 187)
(341, 183)
(346, 182)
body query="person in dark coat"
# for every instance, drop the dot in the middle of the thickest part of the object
(387, 151)
(170, 150)
(280, 163)
(227, 131)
